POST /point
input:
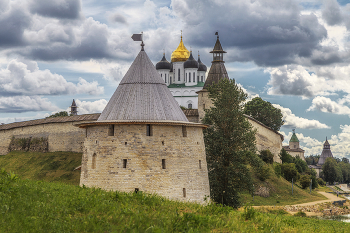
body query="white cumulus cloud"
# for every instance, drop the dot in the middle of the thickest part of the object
(293, 121)
(20, 104)
(325, 104)
(87, 107)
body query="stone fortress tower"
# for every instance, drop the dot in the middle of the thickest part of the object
(294, 148)
(184, 76)
(74, 108)
(326, 153)
(216, 73)
(143, 141)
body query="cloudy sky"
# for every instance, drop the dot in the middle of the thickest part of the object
(292, 53)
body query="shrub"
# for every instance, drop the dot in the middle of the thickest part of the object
(321, 182)
(248, 213)
(304, 181)
(278, 169)
(289, 171)
(263, 172)
(266, 156)
(300, 214)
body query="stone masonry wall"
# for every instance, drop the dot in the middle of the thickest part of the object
(61, 136)
(267, 139)
(185, 161)
(203, 103)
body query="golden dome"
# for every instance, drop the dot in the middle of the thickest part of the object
(181, 53)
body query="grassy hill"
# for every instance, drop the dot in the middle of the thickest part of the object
(50, 166)
(280, 192)
(36, 206)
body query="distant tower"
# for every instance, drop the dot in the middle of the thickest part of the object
(326, 153)
(74, 108)
(216, 73)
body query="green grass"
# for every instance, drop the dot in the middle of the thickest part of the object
(37, 206)
(50, 166)
(281, 193)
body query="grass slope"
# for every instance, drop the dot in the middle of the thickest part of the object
(50, 166)
(281, 193)
(36, 206)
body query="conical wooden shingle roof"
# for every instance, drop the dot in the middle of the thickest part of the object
(142, 95)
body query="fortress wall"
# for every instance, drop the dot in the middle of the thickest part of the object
(61, 136)
(267, 139)
(144, 156)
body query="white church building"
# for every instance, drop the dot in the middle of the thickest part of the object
(184, 76)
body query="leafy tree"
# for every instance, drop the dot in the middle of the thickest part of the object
(345, 160)
(289, 171)
(285, 156)
(59, 114)
(312, 159)
(304, 181)
(264, 112)
(331, 171)
(229, 143)
(345, 169)
(313, 174)
(300, 164)
(266, 156)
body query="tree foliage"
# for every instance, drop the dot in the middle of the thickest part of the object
(312, 159)
(59, 114)
(266, 156)
(305, 181)
(229, 142)
(285, 156)
(264, 112)
(331, 171)
(289, 171)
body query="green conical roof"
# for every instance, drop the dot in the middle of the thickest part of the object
(294, 138)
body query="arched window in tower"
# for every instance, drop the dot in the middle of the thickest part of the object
(178, 75)
(186, 78)
(161, 75)
(202, 78)
(165, 77)
(194, 77)
(197, 78)
(190, 106)
(189, 77)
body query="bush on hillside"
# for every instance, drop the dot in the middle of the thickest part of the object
(304, 181)
(285, 156)
(278, 169)
(321, 182)
(266, 156)
(263, 172)
(289, 171)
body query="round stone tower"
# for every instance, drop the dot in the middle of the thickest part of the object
(143, 141)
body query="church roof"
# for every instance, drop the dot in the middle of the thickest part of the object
(191, 62)
(294, 138)
(201, 66)
(142, 95)
(163, 64)
(217, 70)
(181, 53)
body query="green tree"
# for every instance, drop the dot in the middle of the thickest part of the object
(289, 171)
(229, 143)
(304, 181)
(300, 164)
(285, 156)
(59, 114)
(266, 156)
(264, 112)
(331, 171)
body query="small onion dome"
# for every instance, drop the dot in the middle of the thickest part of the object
(163, 64)
(201, 66)
(191, 62)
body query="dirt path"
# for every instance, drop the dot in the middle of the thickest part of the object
(331, 197)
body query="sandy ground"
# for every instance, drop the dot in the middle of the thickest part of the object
(331, 197)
